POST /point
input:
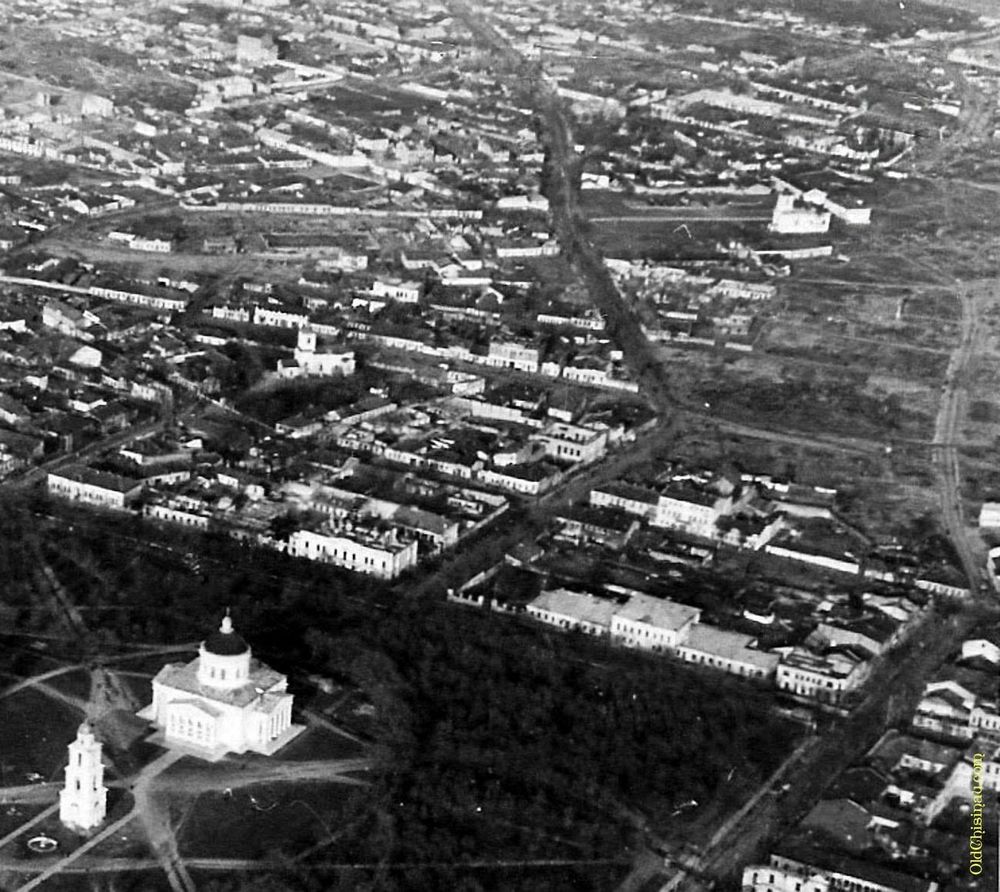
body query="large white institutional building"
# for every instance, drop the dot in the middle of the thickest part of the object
(222, 701)
(83, 802)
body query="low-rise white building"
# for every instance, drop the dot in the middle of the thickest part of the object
(692, 508)
(83, 484)
(150, 301)
(824, 678)
(739, 290)
(383, 556)
(650, 623)
(768, 878)
(404, 292)
(626, 497)
(525, 480)
(989, 515)
(984, 720)
(231, 313)
(254, 50)
(591, 320)
(817, 870)
(279, 318)
(791, 220)
(573, 442)
(567, 610)
(729, 651)
(786, 548)
(537, 203)
(141, 243)
(170, 512)
(511, 355)
(945, 710)
(982, 649)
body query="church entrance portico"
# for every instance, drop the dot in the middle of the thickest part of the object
(189, 721)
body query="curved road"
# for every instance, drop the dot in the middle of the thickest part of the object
(751, 830)
(945, 450)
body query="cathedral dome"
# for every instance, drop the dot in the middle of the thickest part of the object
(225, 642)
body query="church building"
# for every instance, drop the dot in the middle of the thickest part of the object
(83, 802)
(222, 701)
(308, 361)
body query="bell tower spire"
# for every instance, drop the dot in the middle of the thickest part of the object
(83, 802)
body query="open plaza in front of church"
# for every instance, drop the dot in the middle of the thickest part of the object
(88, 784)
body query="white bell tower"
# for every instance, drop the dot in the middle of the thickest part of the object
(306, 341)
(83, 802)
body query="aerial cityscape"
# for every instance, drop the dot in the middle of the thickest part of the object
(482, 445)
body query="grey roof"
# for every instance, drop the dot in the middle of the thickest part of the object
(102, 479)
(728, 645)
(184, 677)
(199, 704)
(577, 605)
(893, 746)
(658, 612)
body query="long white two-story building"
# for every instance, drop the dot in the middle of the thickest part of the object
(104, 490)
(691, 508)
(649, 623)
(383, 556)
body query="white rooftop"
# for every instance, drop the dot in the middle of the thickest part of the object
(658, 612)
(577, 605)
(728, 645)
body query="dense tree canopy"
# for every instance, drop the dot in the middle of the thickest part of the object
(498, 740)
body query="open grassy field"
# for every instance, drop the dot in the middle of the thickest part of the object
(259, 821)
(668, 240)
(36, 731)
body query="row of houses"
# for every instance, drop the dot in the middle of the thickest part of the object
(913, 814)
(511, 354)
(753, 514)
(834, 662)
(643, 622)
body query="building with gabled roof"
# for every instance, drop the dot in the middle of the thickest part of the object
(945, 710)
(650, 623)
(729, 651)
(822, 677)
(99, 488)
(222, 701)
(804, 868)
(905, 753)
(574, 610)
(843, 820)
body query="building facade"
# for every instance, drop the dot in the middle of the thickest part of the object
(385, 557)
(222, 701)
(103, 490)
(824, 678)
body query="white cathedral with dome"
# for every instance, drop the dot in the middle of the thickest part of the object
(222, 701)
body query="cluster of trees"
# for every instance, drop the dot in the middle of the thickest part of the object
(832, 403)
(304, 395)
(506, 741)
(499, 741)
